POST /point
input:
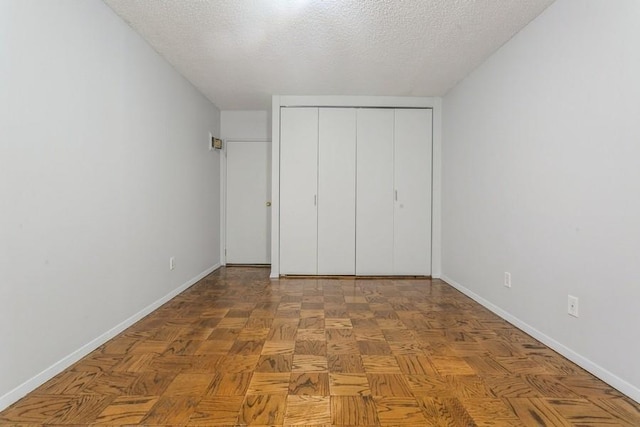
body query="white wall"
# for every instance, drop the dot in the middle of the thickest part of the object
(541, 178)
(237, 125)
(104, 174)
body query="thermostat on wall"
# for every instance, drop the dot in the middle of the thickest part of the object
(215, 143)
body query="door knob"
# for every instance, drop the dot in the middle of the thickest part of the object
(268, 203)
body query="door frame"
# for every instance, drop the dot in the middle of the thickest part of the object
(433, 103)
(223, 194)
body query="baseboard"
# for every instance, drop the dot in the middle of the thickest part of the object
(349, 277)
(613, 380)
(232, 265)
(44, 376)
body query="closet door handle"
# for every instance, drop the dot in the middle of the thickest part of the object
(396, 195)
(315, 200)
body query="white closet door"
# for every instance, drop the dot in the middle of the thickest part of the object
(374, 204)
(298, 190)
(412, 216)
(337, 191)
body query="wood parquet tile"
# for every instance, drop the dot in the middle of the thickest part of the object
(240, 349)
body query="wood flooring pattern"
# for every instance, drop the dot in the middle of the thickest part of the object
(239, 349)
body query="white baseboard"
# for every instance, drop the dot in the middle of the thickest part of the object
(44, 376)
(597, 370)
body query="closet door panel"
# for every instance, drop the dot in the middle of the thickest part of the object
(298, 190)
(412, 177)
(374, 183)
(336, 191)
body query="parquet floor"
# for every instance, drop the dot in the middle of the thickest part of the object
(239, 349)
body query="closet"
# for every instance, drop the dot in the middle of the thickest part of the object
(355, 191)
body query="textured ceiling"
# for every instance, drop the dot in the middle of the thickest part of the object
(240, 52)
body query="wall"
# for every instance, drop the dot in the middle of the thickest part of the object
(541, 179)
(245, 125)
(104, 174)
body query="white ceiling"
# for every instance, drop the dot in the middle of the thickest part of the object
(240, 52)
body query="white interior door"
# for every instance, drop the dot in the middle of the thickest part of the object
(298, 190)
(337, 191)
(248, 216)
(412, 177)
(374, 204)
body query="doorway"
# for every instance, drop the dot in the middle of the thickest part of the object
(248, 206)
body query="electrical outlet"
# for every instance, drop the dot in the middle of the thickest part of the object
(572, 307)
(172, 263)
(507, 279)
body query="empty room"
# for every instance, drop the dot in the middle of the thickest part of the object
(319, 212)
